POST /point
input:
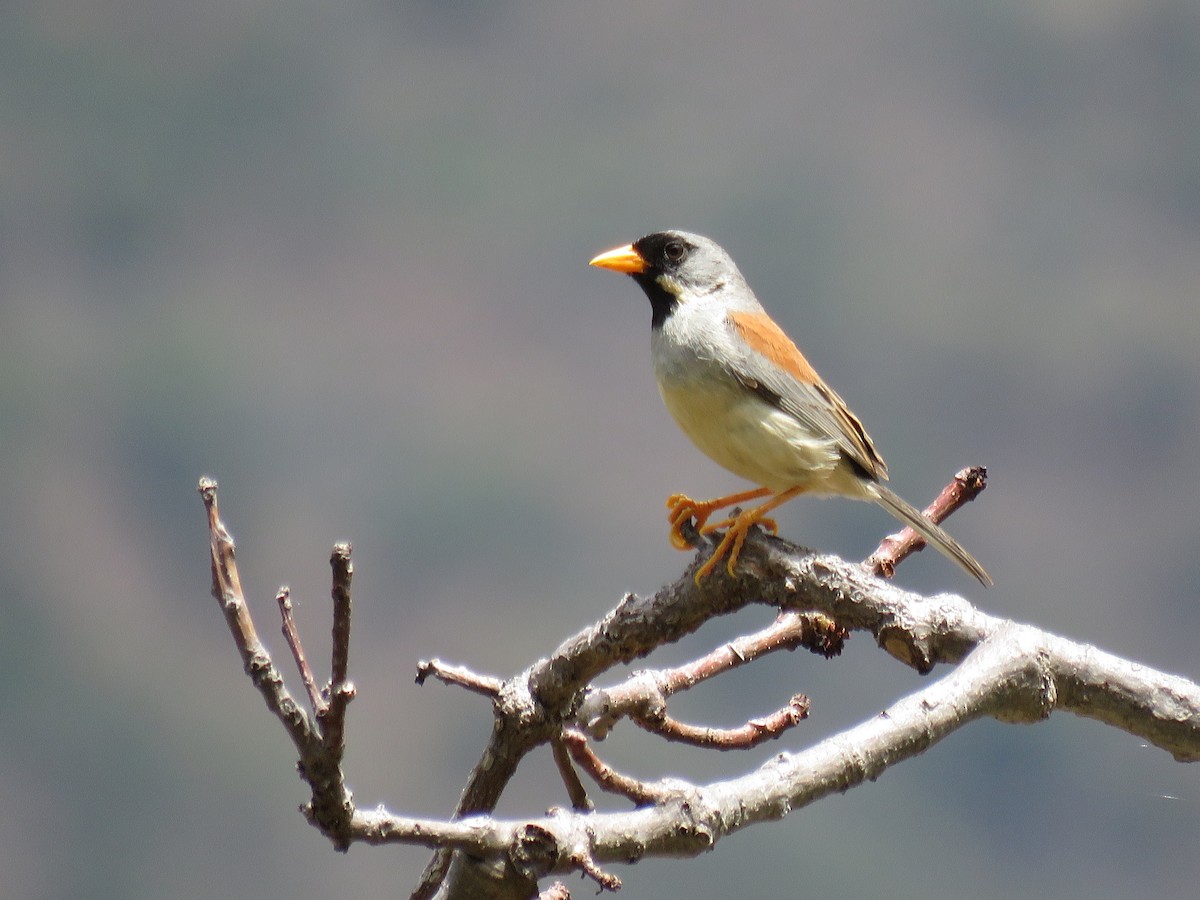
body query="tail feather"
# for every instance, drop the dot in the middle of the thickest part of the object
(934, 535)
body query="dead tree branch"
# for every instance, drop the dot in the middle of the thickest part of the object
(1001, 669)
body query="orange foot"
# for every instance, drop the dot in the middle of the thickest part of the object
(738, 527)
(682, 507)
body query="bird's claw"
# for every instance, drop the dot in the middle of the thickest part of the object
(682, 509)
(731, 542)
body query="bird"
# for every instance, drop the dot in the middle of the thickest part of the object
(744, 394)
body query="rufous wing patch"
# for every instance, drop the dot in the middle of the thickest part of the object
(760, 332)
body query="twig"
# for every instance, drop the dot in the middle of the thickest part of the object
(227, 589)
(461, 676)
(968, 484)
(608, 778)
(587, 864)
(575, 789)
(343, 573)
(332, 807)
(645, 693)
(341, 689)
(817, 632)
(292, 636)
(753, 733)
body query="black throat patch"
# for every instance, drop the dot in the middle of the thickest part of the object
(662, 301)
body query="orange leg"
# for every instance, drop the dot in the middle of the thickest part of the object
(739, 526)
(681, 508)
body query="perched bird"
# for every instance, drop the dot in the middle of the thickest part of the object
(744, 394)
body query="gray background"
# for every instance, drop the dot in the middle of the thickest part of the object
(334, 254)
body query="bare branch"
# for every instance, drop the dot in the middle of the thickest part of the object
(331, 807)
(341, 690)
(640, 792)
(583, 859)
(1019, 674)
(1007, 671)
(292, 636)
(459, 675)
(343, 573)
(520, 725)
(919, 631)
(575, 789)
(753, 733)
(227, 590)
(645, 693)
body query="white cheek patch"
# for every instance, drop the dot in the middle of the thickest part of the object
(670, 285)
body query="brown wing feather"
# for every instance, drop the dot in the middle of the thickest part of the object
(799, 391)
(760, 332)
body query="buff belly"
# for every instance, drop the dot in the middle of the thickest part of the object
(753, 439)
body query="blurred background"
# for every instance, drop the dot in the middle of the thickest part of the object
(335, 255)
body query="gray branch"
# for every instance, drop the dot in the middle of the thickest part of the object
(1001, 669)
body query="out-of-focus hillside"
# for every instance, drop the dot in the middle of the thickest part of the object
(335, 255)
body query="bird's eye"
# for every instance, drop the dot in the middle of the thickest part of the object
(674, 251)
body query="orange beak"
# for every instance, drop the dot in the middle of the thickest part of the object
(620, 259)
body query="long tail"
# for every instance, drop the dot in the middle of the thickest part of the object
(935, 535)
